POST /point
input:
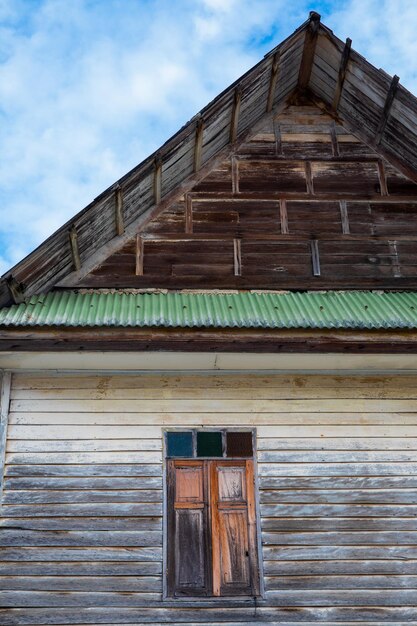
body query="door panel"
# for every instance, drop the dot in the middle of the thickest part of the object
(234, 550)
(233, 539)
(188, 555)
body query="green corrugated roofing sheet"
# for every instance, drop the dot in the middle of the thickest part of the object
(332, 309)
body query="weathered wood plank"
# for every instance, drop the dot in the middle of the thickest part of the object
(84, 510)
(85, 470)
(136, 584)
(359, 538)
(65, 568)
(196, 405)
(71, 458)
(81, 445)
(38, 496)
(48, 555)
(198, 419)
(77, 539)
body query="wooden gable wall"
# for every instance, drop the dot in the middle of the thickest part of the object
(303, 204)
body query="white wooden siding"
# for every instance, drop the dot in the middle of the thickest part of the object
(83, 499)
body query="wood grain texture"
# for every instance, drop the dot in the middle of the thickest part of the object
(336, 460)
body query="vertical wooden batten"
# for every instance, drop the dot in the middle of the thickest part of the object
(139, 255)
(283, 216)
(392, 91)
(234, 123)
(188, 213)
(341, 74)
(273, 82)
(344, 217)
(120, 227)
(315, 257)
(309, 51)
(5, 388)
(382, 179)
(333, 139)
(199, 130)
(235, 174)
(73, 239)
(157, 179)
(237, 257)
(309, 178)
(395, 259)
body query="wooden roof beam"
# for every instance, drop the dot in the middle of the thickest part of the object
(392, 91)
(198, 148)
(273, 81)
(75, 253)
(234, 123)
(120, 226)
(309, 51)
(342, 73)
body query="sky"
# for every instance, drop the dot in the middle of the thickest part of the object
(89, 88)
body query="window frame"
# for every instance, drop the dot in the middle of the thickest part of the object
(166, 596)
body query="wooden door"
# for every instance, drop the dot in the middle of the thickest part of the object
(188, 554)
(235, 562)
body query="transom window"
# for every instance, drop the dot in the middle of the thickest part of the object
(211, 518)
(209, 443)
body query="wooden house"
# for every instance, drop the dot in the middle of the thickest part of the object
(209, 376)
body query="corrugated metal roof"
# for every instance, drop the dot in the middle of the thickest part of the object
(332, 309)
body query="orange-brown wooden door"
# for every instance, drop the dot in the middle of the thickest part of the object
(233, 522)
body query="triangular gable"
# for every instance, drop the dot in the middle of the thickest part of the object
(302, 204)
(312, 61)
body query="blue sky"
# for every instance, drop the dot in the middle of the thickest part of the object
(88, 88)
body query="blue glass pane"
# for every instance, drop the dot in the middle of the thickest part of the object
(180, 444)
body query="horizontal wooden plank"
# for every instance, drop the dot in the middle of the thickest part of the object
(226, 392)
(131, 470)
(34, 458)
(39, 496)
(83, 523)
(279, 430)
(321, 524)
(171, 381)
(331, 443)
(96, 445)
(336, 456)
(323, 582)
(352, 538)
(210, 419)
(82, 568)
(214, 405)
(49, 555)
(138, 583)
(338, 553)
(344, 496)
(102, 482)
(355, 567)
(337, 469)
(82, 510)
(50, 538)
(338, 510)
(346, 616)
(285, 598)
(339, 482)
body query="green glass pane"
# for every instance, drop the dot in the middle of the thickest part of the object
(180, 444)
(209, 444)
